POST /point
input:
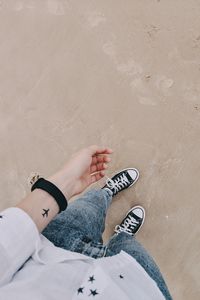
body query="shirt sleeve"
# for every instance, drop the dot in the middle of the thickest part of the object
(19, 237)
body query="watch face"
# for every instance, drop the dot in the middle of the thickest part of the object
(33, 177)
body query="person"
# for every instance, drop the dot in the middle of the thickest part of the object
(48, 251)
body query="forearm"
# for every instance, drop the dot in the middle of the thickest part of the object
(41, 206)
(36, 204)
(19, 236)
(84, 168)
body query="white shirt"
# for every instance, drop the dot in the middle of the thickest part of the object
(31, 267)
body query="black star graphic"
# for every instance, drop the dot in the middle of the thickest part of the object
(80, 290)
(1, 217)
(121, 276)
(91, 278)
(93, 293)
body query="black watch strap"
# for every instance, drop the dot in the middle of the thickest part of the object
(52, 189)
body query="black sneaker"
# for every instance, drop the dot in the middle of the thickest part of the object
(122, 180)
(132, 222)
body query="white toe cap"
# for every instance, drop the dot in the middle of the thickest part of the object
(139, 212)
(134, 174)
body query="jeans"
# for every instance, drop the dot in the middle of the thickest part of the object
(79, 229)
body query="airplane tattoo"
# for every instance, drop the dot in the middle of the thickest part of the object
(45, 212)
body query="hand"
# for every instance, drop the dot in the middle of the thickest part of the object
(84, 168)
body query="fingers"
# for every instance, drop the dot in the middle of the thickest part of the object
(100, 159)
(98, 167)
(95, 150)
(97, 176)
(104, 151)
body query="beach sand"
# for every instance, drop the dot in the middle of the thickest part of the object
(125, 74)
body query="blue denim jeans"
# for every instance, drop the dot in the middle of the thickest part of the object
(79, 228)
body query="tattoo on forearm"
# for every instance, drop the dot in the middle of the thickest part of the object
(46, 211)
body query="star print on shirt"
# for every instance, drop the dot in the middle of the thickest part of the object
(91, 279)
(80, 290)
(93, 293)
(121, 276)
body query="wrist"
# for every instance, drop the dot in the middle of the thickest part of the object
(64, 182)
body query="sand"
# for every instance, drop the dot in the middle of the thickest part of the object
(124, 74)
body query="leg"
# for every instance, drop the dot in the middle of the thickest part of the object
(84, 220)
(128, 243)
(82, 224)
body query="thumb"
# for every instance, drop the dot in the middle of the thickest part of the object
(97, 176)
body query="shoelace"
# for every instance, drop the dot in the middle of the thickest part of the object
(129, 224)
(118, 183)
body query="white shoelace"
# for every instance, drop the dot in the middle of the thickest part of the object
(117, 184)
(129, 224)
